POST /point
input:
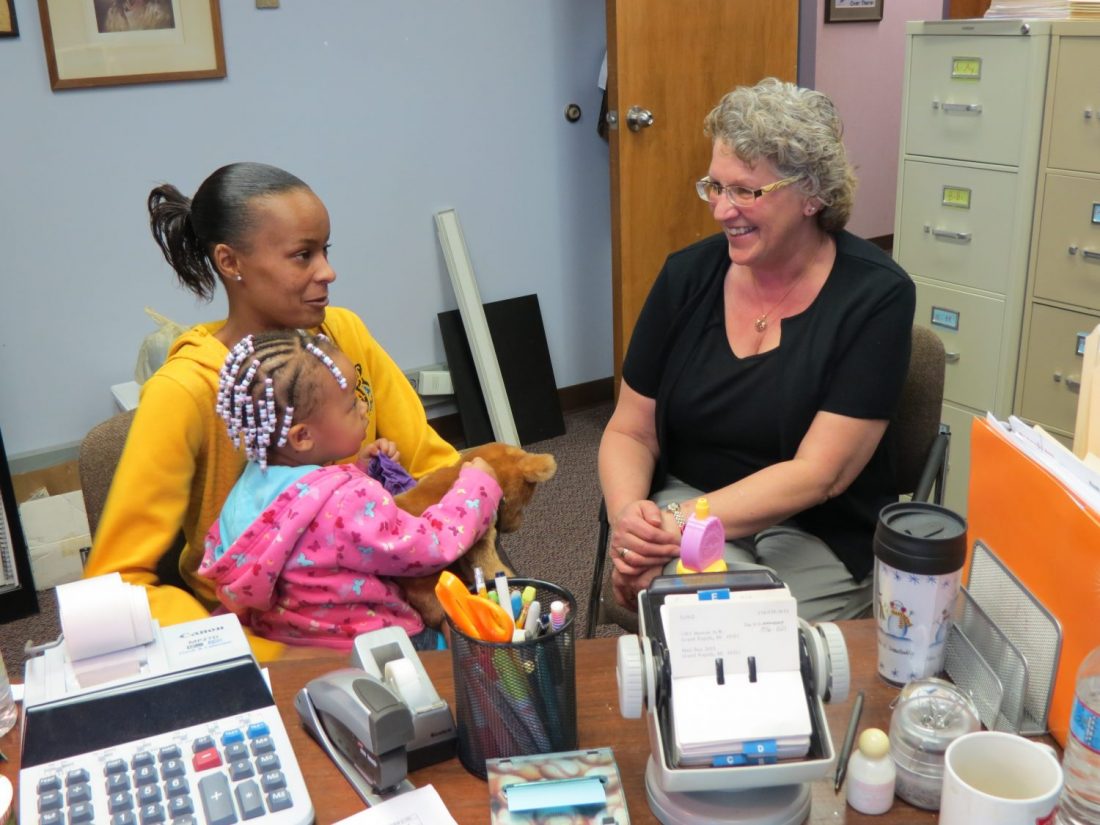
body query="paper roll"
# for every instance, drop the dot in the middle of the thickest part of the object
(102, 615)
(401, 677)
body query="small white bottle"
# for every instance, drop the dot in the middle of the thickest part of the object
(871, 774)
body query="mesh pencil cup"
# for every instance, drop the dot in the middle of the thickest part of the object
(516, 699)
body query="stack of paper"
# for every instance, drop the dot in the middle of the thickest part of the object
(1084, 9)
(737, 695)
(1016, 9)
(1078, 478)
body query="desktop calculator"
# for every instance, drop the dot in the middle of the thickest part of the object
(204, 746)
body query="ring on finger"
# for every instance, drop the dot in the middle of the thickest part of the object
(622, 552)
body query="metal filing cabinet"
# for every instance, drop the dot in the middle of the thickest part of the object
(1063, 294)
(972, 115)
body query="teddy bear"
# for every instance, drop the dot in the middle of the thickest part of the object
(518, 471)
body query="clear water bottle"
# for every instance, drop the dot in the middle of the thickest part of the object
(1080, 804)
(9, 713)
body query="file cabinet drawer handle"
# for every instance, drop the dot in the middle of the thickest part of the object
(952, 357)
(976, 108)
(1092, 255)
(1073, 382)
(954, 236)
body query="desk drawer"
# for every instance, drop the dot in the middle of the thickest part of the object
(1052, 372)
(973, 345)
(977, 114)
(956, 224)
(1068, 264)
(1075, 119)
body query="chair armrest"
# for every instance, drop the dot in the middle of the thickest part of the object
(935, 468)
(597, 572)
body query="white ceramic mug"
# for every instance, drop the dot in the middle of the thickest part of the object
(994, 778)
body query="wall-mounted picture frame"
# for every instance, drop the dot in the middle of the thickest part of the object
(9, 27)
(853, 11)
(113, 42)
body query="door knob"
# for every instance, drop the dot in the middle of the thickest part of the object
(638, 118)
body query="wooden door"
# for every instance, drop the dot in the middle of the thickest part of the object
(966, 9)
(675, 60)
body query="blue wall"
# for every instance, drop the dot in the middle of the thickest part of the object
(390, 109)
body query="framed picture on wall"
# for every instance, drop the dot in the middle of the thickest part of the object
(8, 26)
(852, 11)
(112, 42)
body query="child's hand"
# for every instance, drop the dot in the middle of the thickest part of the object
(381, 445)
(484, 466)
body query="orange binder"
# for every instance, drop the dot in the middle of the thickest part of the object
(1048, 539)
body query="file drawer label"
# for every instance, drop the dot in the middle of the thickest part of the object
(945, 318)
(1081, 336)
(956, 196)
(966, 68)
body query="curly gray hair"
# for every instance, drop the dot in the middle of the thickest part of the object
(799, 132)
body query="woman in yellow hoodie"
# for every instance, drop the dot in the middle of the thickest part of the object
(264, 235)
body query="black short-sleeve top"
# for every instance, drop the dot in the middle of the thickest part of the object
(721, 418)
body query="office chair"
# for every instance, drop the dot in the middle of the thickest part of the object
(917, 439)
(100, 451)
(99, 454)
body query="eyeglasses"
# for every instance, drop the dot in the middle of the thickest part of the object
(709, 190)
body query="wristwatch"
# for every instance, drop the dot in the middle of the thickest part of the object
(678, 514)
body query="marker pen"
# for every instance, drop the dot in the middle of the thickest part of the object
(503, 596)
(557, 615)
(479, 583)
(525, 605)
(531, 620)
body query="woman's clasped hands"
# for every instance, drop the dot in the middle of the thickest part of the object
(644, 538)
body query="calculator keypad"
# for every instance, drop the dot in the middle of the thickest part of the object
(210, 779)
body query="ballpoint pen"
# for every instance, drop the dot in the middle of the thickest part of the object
(504, 596)
(479, 583)
(849, 738)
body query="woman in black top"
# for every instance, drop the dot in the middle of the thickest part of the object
(764, 367)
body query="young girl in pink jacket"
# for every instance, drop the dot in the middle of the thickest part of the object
(305, 550)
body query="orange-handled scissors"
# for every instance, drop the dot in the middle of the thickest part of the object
(473, 615)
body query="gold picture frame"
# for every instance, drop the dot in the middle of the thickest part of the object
(9, 27)
(113, 42)
(853, 11)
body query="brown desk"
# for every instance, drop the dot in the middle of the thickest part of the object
(599, 724)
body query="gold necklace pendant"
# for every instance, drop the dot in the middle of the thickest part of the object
(761, 323)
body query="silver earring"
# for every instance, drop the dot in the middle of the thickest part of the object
(238, 279)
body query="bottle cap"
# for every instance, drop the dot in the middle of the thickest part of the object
(702, 508)
(874, 743)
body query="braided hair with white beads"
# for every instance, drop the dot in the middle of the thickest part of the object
(269, 379)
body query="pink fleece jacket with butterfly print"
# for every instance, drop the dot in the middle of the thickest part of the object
(314, 568)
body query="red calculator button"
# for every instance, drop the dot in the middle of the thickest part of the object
(203, 760)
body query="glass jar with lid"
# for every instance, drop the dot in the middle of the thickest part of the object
(928, 716)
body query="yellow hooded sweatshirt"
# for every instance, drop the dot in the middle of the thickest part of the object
(178, 464)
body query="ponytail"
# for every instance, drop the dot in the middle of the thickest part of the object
(170, 220)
